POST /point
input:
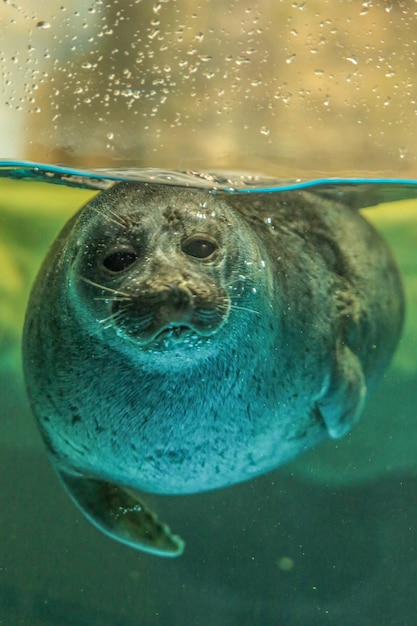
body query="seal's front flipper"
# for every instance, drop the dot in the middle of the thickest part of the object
(119, 513)
(342, 402)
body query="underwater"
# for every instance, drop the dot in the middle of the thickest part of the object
(208, 314)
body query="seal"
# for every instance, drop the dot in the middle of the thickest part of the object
(179, 340)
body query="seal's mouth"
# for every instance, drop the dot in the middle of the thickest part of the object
(167, 337)
(177, 334)
(172, 331)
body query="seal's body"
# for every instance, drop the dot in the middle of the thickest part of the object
(178, 340)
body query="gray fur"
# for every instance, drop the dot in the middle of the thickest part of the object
(292, 322)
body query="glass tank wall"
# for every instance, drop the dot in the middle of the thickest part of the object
(281, 88)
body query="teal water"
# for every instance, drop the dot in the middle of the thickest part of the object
(328, 539)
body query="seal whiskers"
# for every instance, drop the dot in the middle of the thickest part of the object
(111, 216)
(117, 292)
(244, 308)
(110, 319)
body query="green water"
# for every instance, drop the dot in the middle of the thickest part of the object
(327, 539)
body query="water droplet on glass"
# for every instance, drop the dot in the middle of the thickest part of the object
(43, 25)
(301, 6)
(241, 60)
(365, 9)
(403, 152)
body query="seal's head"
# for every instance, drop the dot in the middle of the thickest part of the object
(163, 274)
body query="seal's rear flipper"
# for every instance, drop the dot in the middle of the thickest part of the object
(342, 403)
(119, 513)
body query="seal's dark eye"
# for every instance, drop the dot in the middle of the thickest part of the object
(119, 260)
(199, 247)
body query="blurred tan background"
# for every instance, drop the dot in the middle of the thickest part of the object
(281, 88)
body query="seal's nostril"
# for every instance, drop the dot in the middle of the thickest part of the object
(178, 296)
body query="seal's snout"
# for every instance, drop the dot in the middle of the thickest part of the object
(178, 296)
(166, 304)
(176, 303)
